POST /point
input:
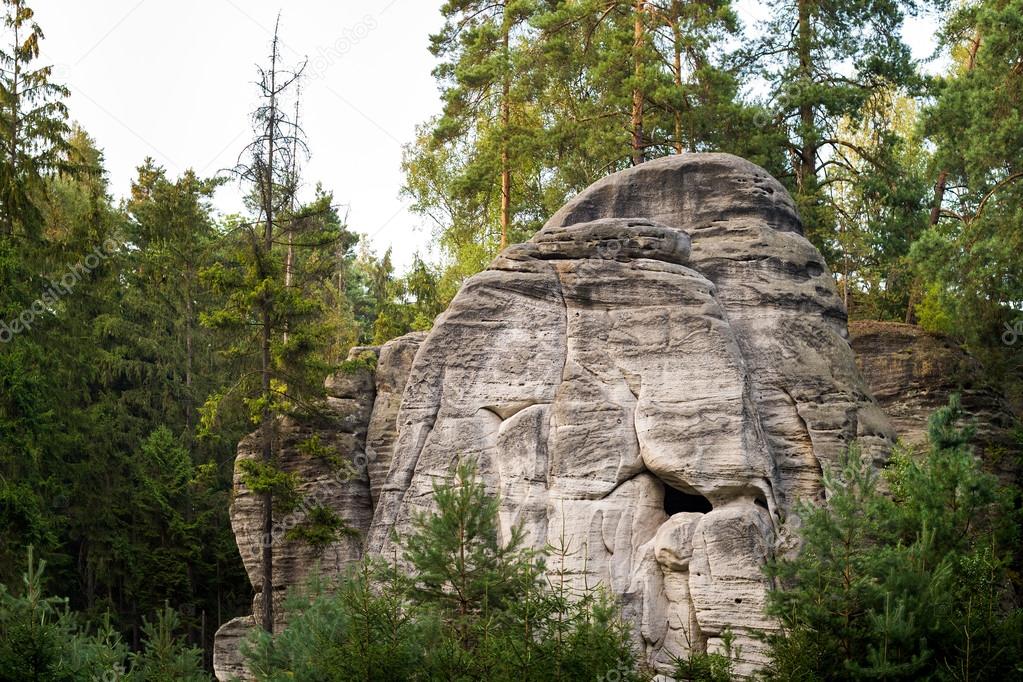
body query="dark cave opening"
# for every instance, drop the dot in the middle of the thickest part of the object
(676, 502)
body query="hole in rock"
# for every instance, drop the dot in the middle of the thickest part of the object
(760, 502)
(676, 502)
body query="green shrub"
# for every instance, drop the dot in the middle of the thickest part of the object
(468, 608)
(909, 585)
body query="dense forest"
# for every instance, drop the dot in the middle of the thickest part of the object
(141, 338)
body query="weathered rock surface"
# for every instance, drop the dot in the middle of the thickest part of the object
(653, 380)
(668, 346)
(393, 369)
(341, 432)
(912, 373)
(228, 663)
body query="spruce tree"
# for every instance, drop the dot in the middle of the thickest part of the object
(270, 297)
(33, 123)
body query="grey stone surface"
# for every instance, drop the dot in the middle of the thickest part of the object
(668, 330)
(341, 433)
(912, 373)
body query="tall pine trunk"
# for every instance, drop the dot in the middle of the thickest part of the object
(638, 146)
(676, 33)
(806, 166)
(505, 125)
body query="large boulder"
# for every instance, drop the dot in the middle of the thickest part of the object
(654, 379)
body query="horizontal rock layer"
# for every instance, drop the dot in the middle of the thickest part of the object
(912, 373)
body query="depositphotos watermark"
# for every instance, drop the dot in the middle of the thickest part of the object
(57, 290)
(331, 54)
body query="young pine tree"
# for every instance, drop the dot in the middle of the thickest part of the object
(903, 587)
(464, 606)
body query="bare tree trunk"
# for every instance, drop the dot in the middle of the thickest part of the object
(638, 147)
(939, 197)
(266, 427)
(289, 261)
(677, 36)
(845, 280)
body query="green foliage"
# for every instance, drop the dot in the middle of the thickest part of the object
(717, 666)
(366, 362)
(915, 585)
(97, 460)
(164, 656)
(539, 100)
(467, 607)
(34, 134)
(411, 303)
(266, 477)
(321, 527)
(462, 567)
(40, 639)
(362, 628)
(967, 264)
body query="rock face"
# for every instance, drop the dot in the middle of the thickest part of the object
(656, 377)
(341, 432)
(652, 381)
(912, 373)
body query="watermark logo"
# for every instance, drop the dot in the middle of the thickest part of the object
(620, 672)
(113, 675)
(327, 56)
(1013, 332)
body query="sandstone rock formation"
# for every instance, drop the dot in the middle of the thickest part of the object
(669, 343)
(342, 430)
(653, 380)
(912, 373)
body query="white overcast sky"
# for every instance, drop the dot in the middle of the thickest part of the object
(173, 79)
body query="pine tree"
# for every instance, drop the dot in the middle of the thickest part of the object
(41, 640)
(483, 89)
(164, 656)
(273, 293)
(968, 261)
(803, 54)
(33, 124)
(460, 563)
(909, 586)
(461, 605)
